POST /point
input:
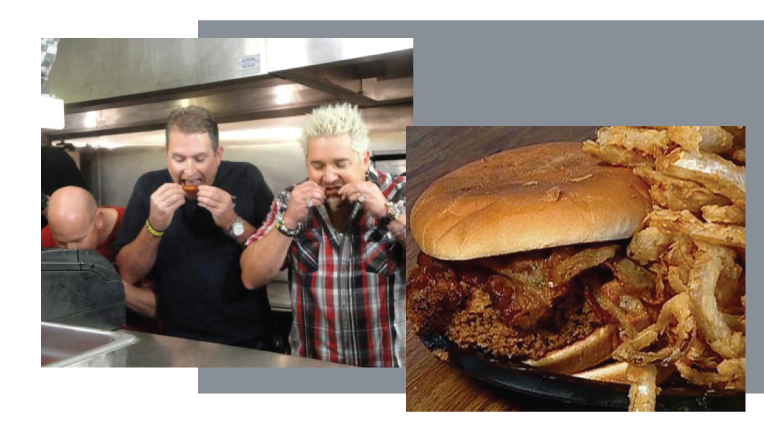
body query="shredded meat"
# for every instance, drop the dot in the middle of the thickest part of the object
(480, 326)
(530, 283)
(518, 306)
(433, 294)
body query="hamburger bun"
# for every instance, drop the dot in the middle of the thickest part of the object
(616, 373)
(531, 198)
(613, 373)
(584, 354)
(528, 198)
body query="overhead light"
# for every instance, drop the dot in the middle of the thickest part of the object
(153, 139)
(51, 112)
(185, 103)
(284, 94)
(101, 144)
(272, 133)
(91, 119)
(78, 144)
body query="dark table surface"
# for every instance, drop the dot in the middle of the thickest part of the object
(431, 152)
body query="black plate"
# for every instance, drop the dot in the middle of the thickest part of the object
(524, 379)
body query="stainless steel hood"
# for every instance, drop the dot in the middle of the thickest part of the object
(113, 86)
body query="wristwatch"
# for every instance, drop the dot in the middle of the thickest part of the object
(237, 228)
(284, 229)
(394, 211)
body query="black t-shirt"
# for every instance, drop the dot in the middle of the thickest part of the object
(58, 171)
(199, 290)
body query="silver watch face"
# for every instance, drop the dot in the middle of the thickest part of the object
(238, 228)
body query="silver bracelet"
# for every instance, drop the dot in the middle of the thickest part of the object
(395, 233)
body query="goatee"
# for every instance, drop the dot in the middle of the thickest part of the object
(333, 204)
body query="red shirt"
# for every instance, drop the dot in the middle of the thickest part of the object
(104, 248)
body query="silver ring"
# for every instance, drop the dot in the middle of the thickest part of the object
(309, 202)
(362, 198)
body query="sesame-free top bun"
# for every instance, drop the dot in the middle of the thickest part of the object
(528, 198)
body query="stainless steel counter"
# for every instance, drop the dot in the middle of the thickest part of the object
(278, 294)
(163, 351)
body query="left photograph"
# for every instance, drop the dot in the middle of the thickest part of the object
(224, 202)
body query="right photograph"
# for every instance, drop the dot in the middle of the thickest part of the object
(592, 268)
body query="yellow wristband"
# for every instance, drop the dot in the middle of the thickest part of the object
(154, 232)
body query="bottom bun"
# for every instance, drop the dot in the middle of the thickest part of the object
(616, 373)
(584, 354)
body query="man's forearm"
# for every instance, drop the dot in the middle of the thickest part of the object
(140, 300)
(399, 226)
(262, 259)
(137, 258)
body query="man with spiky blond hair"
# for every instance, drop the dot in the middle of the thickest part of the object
(341, 233)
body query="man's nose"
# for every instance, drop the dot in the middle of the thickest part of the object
(190, 166)
(330, 176)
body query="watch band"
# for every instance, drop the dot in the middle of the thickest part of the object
(236, 221)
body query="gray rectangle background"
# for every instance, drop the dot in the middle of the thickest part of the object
(550, 73)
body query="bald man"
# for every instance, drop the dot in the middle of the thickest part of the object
(77, 222)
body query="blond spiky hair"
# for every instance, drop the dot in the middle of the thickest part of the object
(336, 120)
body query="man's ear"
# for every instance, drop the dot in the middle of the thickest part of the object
(219, 154)
(367, 160)
(99, 219)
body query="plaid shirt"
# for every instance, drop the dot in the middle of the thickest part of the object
(347, 290)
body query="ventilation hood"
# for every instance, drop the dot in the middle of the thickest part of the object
(115, 86)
